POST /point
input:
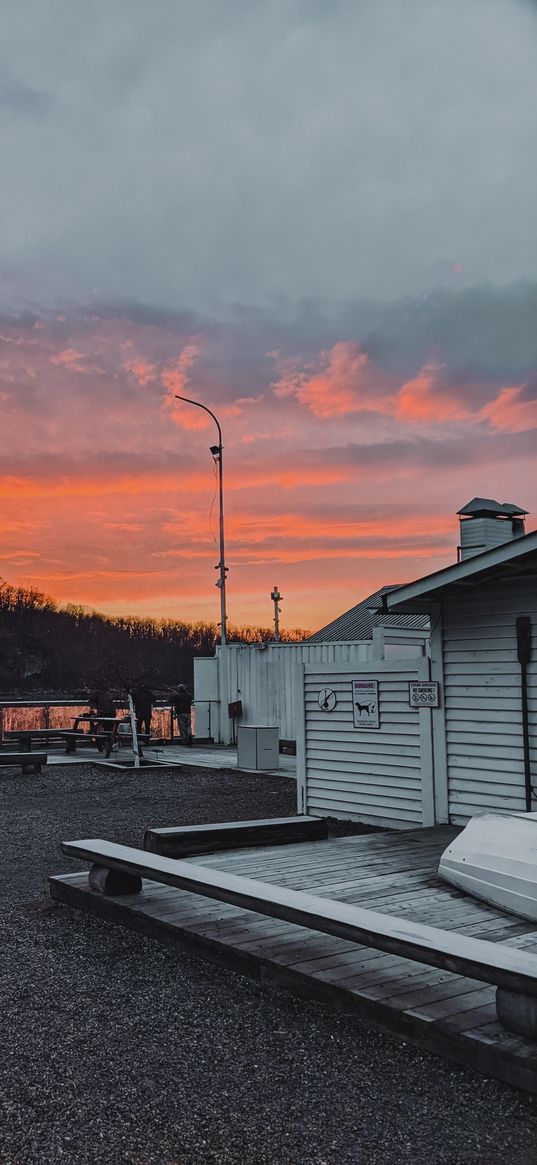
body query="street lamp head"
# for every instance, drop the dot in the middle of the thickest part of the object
(216, 450)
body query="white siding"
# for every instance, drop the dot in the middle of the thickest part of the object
(371, 775)
(265, 680)
(482, 693)
(479, 534)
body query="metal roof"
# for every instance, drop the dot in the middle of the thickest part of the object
(484, 506)
(360, 621)
(424, 590)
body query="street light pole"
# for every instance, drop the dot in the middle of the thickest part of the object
(216, 451)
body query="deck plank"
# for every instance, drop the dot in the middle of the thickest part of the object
(394, 873)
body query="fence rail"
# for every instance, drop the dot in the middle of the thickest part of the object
(18, 715)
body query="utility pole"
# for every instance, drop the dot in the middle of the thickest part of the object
(216, 451)
(276, 599)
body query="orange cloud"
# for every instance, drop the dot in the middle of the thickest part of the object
(233, 410)
(131, 526)
(347, 382)
(239, 477)
(86, 486)
(71, 359)
(336, 389)
(325, 554)
(510, 413)
(417, 400)
(254, 527)
(175, 380)
(142, 370)
(237, 407)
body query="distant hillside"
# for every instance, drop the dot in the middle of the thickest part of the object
(52, 649)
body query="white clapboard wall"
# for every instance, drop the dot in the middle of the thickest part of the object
(380, 776)
(482, 694)
(264, 680)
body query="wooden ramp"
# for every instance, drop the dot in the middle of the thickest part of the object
(394, 873)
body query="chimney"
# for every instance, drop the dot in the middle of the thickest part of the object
(485, 524)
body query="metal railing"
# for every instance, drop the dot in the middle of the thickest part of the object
(19, 715)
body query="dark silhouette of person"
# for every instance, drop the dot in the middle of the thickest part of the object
(143, 700)
(181, 702)
(103, 708)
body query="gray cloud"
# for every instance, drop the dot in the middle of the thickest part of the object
(477, 330)
(485, 449)
(17, 97)
(261, 151)
(483, 338)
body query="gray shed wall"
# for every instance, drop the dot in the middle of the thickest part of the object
(482, 696)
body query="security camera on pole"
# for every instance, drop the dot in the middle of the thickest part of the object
(216, 451)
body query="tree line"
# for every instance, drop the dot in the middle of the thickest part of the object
(70, 649)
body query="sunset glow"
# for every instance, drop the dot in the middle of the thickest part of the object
(340, 473)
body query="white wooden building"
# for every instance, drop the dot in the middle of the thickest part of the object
(477, 749)
(484, 751)
(379, 772)
(262, 676)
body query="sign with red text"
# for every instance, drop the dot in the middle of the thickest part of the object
(365, 703)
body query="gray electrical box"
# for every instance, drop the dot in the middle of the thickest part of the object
(201, 716)
(258, 746)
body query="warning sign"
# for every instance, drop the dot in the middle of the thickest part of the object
(327, 700)
(365, 703)
(423, 694)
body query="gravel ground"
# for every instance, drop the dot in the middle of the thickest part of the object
(118, 1049)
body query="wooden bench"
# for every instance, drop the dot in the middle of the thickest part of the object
(181, 841)
(102, 741)
(119, 869)
(27, 738)
(31, 761)
(99, 740)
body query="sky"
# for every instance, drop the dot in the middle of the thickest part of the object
(316, 217)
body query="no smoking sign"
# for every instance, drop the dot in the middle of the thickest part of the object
(423, 694)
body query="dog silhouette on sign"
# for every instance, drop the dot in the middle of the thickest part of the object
(367, 708)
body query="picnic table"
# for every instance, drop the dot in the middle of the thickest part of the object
(113, 728)
(100, 732)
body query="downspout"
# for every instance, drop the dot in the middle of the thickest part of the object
(523, 642)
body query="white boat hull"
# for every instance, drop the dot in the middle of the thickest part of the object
(495, 859)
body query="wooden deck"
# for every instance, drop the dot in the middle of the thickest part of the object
(394, 873)
(171, 755)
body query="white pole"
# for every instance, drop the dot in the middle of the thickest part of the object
(216, 451)
(222, 564)
(134, 730)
